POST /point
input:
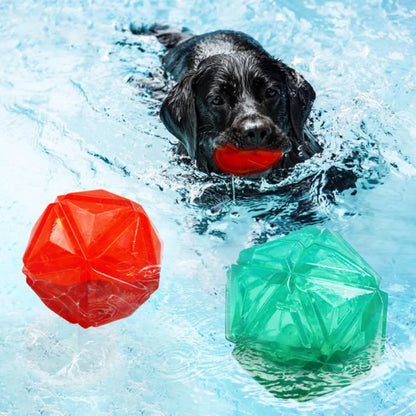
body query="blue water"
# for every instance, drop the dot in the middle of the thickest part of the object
(69, 121)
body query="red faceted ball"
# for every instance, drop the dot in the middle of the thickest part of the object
(235, 161)
(93, 257)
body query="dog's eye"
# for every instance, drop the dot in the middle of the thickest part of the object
(271, 92)
(217, 100)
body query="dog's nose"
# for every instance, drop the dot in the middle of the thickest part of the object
(256, 131)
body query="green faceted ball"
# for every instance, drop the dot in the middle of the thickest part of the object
(306, 298)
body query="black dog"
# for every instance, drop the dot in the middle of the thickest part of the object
(230, 90)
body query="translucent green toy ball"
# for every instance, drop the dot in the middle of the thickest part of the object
(308, 297)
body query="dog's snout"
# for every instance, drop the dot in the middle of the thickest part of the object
(256, 131)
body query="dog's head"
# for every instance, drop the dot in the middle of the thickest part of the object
(247, 101)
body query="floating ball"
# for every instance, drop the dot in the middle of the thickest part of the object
(305, 298)
(93, 257)
(234, 161)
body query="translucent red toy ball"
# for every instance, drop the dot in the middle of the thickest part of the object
(234, 161)
(93, 257)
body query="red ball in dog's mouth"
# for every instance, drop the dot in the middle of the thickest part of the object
(235, 161)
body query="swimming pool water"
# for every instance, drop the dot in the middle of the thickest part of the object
(70, 121)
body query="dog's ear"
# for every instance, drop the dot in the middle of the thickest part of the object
(178, 113)
(301, 96)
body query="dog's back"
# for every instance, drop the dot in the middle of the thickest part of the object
(185, 51)
(190, 51)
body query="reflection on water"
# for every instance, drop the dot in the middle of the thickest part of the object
(61, 355)
(302, 383)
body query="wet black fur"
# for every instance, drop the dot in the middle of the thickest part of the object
(233, 66)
